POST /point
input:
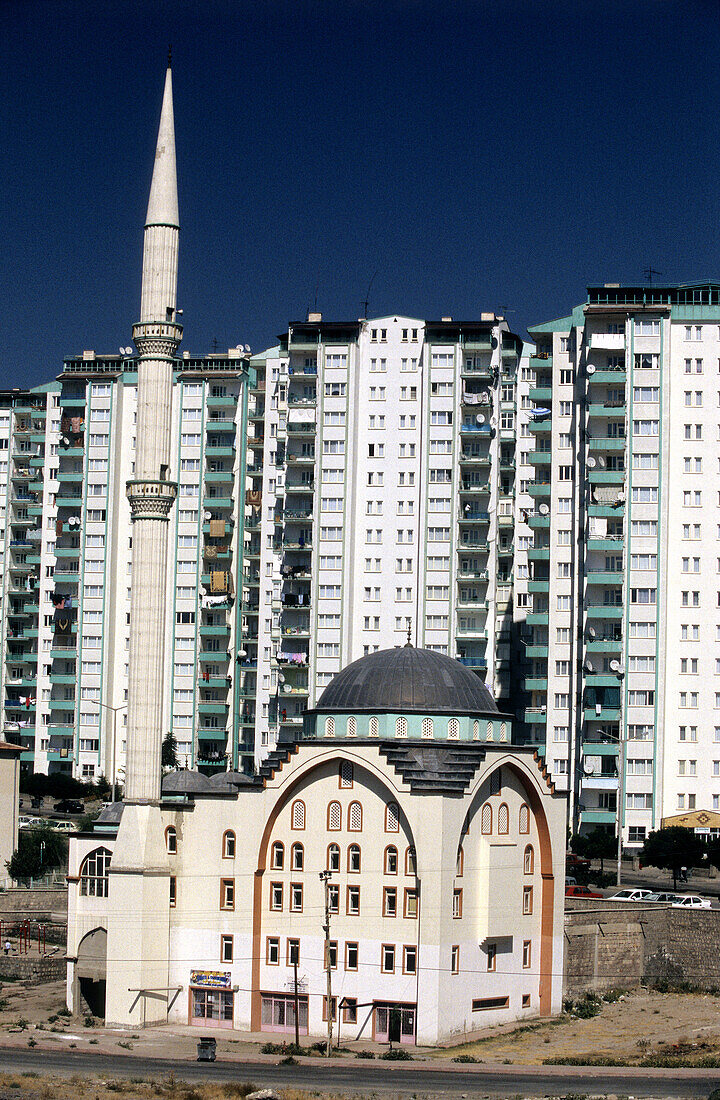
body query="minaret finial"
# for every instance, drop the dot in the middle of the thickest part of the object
(169, 64)
(408, 642)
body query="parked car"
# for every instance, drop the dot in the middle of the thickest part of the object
(64, 826)
(69, 806)
(573, 862)
(581, 892)
(690, 901)
(667, 897)
(630, 893)
(26, 822)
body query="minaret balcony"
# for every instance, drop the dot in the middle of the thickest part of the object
(150, 331)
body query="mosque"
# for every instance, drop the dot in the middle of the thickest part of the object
(398, 867)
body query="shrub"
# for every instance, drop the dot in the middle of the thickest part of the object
(465, 1058)
(396, 1054)
(365, 1054)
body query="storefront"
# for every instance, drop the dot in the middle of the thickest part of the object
(211, 998)
(393, 1023)
(278, 1013)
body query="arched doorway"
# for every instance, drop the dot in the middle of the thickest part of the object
(91, 970)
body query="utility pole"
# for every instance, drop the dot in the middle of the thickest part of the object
(325, 877)
(297, 999)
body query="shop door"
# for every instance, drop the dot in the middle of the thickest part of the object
(211, 1008)
(394, 1023)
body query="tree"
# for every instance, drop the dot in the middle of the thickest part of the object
(40, 849)
(169, 751)
(672, 849)
(600, 844)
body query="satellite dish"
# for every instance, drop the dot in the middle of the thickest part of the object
(591, 632)
(287, 688)
(601, 462)
(485, 396)
(616, 666)
(621, 496)
(121, 350)
(544, 510)
(247, 347)
(589, 666)
(480, 418)
(493, 421)
(281, 678)
(130, 351)
(207, 515)
(238, 347)
(65, 441)
(242, 653)
(591, 369)
(591, 462)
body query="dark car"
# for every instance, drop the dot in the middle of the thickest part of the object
(581, 892)
(69, 806)
(576, 863)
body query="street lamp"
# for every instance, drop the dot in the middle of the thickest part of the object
(113, 711)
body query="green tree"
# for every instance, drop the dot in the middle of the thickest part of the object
(40, 849)
(673, 848)
(600, 844)
(169, 751)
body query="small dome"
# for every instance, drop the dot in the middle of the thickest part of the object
(407, 680)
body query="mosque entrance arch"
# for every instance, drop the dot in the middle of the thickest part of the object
(91, 971)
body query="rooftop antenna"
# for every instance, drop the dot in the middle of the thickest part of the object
(366, 303)
(215, 345)
(650, 272)
(169, 65)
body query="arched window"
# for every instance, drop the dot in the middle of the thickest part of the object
(334, 817)
(529, 860)
(94, 874)
(333, 857)
(410, 861)
(486, 819)
(401, 727)
(353, 857)
(427, 727)
(277, 856)
(496, 781)
(346, 774)
(228, 845)
(297, 857)
(489, 732)
(392, 818)
(171, 839)
(524, 822)
(453, 729)
(374, 726)
(503, 731)
(297, 816)
(476, 730)
(329, 727)
(391, 860)
(503, 819)
(352, 726)
(355, 817)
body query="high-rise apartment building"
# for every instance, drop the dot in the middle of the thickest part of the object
(622, 642)
(383, 501)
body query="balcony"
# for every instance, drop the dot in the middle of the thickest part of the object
(604, 645)
(539, 585)
(598, 817)
(608, 408)
(476, 488)
(601, 679)
(540, 458)
(540, 393)
(606, 477)
(539, 489)
(603, 611)
(536, 715)
(541, 362)
(537, 618)
(610, 375)
(536, 683)
(608, 341)
(476, 429)
(539, 553)
(601, 713)
(214, 477)
(473, 662)
(469, 459)
(608, 544)
(604, 576)
(607, 511)
(536, 650)
(541, 427)
(473, 516)
(600, 748)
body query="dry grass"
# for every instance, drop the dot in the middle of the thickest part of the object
(31, 1086)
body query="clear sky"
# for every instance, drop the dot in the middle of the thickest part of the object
(462, 156)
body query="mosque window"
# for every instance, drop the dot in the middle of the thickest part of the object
(228, 845)
(391, 860)
(277, 859)
(410, 862)
(427, 727)
(453, 729)
(352, 726)
(333, 857)
(353, 858)
(529, 860)
(486, 819)
(489, 731)
(503, 731)
(297, 857)
(330, 727)
(401, 727)
(392, 818)
(171, 839)
(495, 781)
(503, 819)
(524, 824)
(476, 730)
(355, 817)
(373, 726)
(298, 814)
(460, 863)
(334, 817)
(94, 874)
(346, 774)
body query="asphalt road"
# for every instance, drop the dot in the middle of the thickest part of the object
(399, 1080)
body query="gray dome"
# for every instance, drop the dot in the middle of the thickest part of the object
(406, 680)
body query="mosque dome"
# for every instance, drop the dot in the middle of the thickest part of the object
(407, 680)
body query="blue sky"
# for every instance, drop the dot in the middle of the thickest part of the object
(463, 156)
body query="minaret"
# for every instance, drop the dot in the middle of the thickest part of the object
(152, 493)
(139, 880)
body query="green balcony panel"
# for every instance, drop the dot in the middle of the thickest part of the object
(603, 611)
(609, 545)
(541, 362)
(606, 477)
(539, 489)
(540, 458)
(607, 511)
(539, 586)
(538, 522)
(537, 618)
(603, 443)
(614, 377)
(601, 748)
(604, 576)
(601, 679)
(598, 817)
(535, 717)
(610, 409)
(541, 427)
(605, 714)
(536, 650)
(224, 424)
(604, 645)
(536, 683)
(540, 393)
(539, 553)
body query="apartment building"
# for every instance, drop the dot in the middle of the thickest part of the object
(622, 642)
(66, 544)
(383, 502)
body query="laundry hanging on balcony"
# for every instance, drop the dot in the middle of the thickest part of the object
(217, 528)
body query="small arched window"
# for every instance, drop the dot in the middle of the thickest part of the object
(374, 726)
(489, 732)
(228, 845)
(171, 839)
(486, 820)
(476, 730)
(410, 861)
(524, 822)
(330, 727)
(334, 817)
(427, 727)
(94, 874)
(346, 774)
(529, 860)
(297, 816)
(352, 726)
(496, 781)
(392, 818)
(503, 819)
(355, 817)
(297, 857)
(453, 729)
(401, 727)
(277, 856)
(503, 731)
(460, 863)
(391, 860)
(333, 857)
(353, 857)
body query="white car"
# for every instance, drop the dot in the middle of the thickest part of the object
(64, 826)
(690, 901)
(25, 822)
(630, 894)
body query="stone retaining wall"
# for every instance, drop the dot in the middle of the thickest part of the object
(621, 945)
(37, 903)
(33, 970)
